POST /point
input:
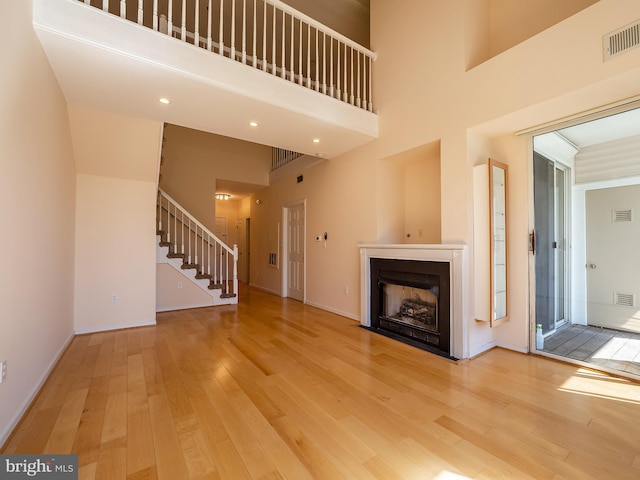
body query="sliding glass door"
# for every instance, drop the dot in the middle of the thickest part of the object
(551, 256)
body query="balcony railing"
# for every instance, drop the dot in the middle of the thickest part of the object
(267, 35)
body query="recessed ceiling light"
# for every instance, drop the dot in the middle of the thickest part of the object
(164, 101)
(316, 140)
(253, 124)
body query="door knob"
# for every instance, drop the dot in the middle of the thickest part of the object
(593, 266)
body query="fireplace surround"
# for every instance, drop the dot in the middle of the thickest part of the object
(414, 293)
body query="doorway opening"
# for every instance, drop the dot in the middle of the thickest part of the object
(585, 232)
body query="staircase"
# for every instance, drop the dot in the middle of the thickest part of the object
(199, 255)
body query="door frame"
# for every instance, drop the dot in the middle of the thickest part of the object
(285, 249)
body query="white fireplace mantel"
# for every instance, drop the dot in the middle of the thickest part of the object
(454, 254)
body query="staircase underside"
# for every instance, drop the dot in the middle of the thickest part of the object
(107, 63)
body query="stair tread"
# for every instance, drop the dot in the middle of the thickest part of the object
(175, 255)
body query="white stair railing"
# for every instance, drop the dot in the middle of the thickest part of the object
(281, 157)
(267, 35)
(199, 249)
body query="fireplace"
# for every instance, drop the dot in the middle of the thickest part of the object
(410, 302)
(413, 293)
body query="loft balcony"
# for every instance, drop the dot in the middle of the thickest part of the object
(222, 63)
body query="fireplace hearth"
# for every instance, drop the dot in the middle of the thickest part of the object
(414, 294)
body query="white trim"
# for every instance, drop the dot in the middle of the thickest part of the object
(85, 331)
(34, 393)
(454, 254)
(351, 316)
(582, 117)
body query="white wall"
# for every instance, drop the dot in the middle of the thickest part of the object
(425, 95)
(37, 192)
(115, 253)
(117, 159)
(174, 291)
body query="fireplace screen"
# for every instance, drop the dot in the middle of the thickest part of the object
(411, 306)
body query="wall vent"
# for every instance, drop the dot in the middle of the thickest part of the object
(273, 259)
(621, 40)
(624, 299)
(622, 215)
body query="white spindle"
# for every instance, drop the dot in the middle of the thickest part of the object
(273, 43)
(155, 14)
(255, 30)
(331, 86)
(175, 229)
(292, 56)
(189, 240)
(370, 106)
(358, 83)
(123, 8)
(283, 57)
(221, 36)
(345, 93)
(169, 223)
(140, 12)
(170, 19)
(182, 231)
(338, 77)
(183, 30)
(308, 56)
(324, 63)
(209, 27)
(196, 29)
(300, 75)
(317, 64)
(105, 5)
(364, 82)
(244, 31)
(352, 89)
(208, 255)
(233, 29)
(264, 36)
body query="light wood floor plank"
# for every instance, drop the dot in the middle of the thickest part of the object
(272, 389)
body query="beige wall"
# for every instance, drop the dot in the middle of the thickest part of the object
(175, 292)
(37, 192)
(193, 161)
(115, 253)
(117, 158)
(426, 96)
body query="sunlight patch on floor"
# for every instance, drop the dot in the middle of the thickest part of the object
(600, 385)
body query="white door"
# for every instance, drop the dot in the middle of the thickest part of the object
(295, 251)
(613, 257)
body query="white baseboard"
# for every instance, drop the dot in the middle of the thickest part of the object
(334, 310)
(84, 331)
(34, 393)
(481, 349)
(260, 287)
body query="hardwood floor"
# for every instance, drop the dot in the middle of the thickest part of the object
(273, 389)
(601, 346)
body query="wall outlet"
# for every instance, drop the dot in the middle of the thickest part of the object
(3, 370)
(346, 290)
(179, 284)
(420, 233)
(114, 299)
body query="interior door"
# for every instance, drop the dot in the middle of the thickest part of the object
(613, 257)
(295, 251)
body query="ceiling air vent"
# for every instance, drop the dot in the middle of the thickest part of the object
(622, 215)
(624, 299)
(621, 40)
